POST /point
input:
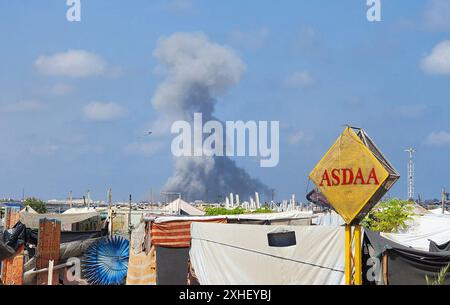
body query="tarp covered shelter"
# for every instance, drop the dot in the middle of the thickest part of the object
(439, 211)
(232, 254)
(398, 264)
(421, 230)
(31, 220)
(172, 240)
(282, 218)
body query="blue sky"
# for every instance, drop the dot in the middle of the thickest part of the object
(312, 65)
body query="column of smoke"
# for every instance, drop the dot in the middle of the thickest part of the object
(199, 72)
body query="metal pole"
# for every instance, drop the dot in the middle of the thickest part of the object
(443, 201)
(109, 197)
(129, 219)
(358, 255)
(348, 255)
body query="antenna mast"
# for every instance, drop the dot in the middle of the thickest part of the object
(411, 173)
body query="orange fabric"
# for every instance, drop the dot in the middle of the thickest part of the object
(175, 234)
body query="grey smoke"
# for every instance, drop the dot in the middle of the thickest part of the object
(198, 73)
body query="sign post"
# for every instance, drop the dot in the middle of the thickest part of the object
(353, 175)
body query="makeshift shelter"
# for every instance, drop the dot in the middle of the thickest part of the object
(159, 251)
(160, 248)
(234, 254)
(408, 257)
(439, 211)
(390, 263)
(284, 218)
(31, 220)
(181, 207)
(172, 239)
(142, 263)
(421, 230)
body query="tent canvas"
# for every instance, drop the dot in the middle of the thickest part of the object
(401, 265)
(31, 220)
(179, 206)
(234, 254)
(422, 229)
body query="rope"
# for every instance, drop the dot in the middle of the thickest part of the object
(272, 255)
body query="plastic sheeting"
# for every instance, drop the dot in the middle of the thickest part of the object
(31, 220)
(5, 251)
(403, 265)
(263, 217)
(228, 254)
(422, 230)
(439, 211)
(328, 219)
(179, 206)
(273, 216)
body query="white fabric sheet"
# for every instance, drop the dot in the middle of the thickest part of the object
(328, 219)
(31, 220)
(236, 254)
(423, 228)
(179, 204)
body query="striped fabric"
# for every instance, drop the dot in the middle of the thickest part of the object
(175, 234)
(142, 268)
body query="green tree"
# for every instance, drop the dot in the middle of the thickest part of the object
(36, 204)
(263, 210)
(223, 211)
(389, 216)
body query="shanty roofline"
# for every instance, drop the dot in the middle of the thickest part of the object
(265, 216)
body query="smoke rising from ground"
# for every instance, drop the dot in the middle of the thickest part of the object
(198, 72)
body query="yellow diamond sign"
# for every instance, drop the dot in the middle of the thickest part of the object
(353, 175)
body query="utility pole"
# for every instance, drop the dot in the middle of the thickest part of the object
(109, 197)
(129, 219)
(445, 196)
(88, 198)
(443, 200)
(411, 173)
(70, 199)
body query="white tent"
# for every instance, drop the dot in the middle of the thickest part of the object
(29, 210)
(423, 228)
(79, 210)
(228, 254)
(439, 211)
(179, 205)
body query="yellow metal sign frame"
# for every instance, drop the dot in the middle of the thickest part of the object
(343, 198)
(387, 177)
